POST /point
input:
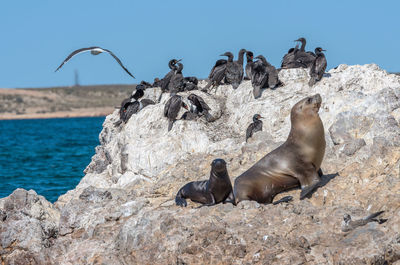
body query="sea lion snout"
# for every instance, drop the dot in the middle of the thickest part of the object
(218, 165)
(316, 100)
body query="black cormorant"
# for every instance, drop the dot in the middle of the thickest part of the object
(273, 79)
(288, 60)
(255, 126)
(167, 78)
(172, 108)
(259, 77)
(176, 84)
(95, 51)
(234, 71)
(200, 107)
(318, 67)
(138, 94)
(190, 83)
(302, 58)
(217, 73)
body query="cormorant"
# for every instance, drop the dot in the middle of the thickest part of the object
(198, 106)
(129, 107)
(138, 94)
(259, 77)
(167, 78)
(164, 83)
(176, 84)
(234, 71)
(302, 58)
(273, 79)
(192, 79)
(190, 83)
(249, 64)
(172, 108)
(288, 60)
(255, 126)
(217, 73)
(95, 51)
(318, 67)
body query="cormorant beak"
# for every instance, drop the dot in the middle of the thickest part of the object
(323, 50)
(261, 117)
(179, 60)
(222, 54)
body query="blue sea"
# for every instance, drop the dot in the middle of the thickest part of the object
(47, 155)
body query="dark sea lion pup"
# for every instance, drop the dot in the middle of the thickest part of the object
(297, 161)
(208, 192)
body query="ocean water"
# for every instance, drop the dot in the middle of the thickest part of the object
(47, 155)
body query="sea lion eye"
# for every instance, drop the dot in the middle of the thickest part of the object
(309, 100)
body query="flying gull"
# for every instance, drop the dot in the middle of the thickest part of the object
(95, 51)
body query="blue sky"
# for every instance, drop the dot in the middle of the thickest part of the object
(38, 35)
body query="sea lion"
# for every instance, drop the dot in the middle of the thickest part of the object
(297, 161)
(208, 192)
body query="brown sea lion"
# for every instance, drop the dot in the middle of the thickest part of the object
(208, 192)
(297, 161)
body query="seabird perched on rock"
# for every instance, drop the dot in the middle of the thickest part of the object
(259, 78)
(273, 79)
(288, 60)
(302, 58)
(254, 127)
(234, 71)
(348, 224)
(167, 78)
(138, 94)
(318, 67)
(249, 64)
(200, 107)
(176, 84)
(172, 108)
(95, 51)
(217, 73)
(190, 83)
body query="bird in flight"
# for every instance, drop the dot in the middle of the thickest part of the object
(95, 51)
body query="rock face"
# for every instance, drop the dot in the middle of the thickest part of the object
(123, 210)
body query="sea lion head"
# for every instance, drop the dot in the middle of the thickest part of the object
(306, 108)
(218, 165)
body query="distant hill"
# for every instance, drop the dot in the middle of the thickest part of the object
(75, 101)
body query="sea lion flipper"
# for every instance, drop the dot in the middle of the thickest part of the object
(230, 198)
(284, 199)
(307, 190)
(180, 198)
(309, 179)
(210, 203)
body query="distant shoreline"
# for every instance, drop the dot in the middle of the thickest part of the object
(79, 113)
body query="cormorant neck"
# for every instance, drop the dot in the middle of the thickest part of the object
(303, 45)
(240, 57)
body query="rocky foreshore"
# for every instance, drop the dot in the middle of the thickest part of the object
(123, 210)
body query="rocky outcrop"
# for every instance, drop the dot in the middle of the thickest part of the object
(123, 212)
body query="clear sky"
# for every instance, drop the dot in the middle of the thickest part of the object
(37, 35)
